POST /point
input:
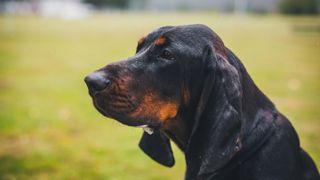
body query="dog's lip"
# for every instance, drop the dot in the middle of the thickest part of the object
(99, 109)
(92, 93)
(147, 127)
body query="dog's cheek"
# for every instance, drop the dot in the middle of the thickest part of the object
(154, 107)
(168, 110)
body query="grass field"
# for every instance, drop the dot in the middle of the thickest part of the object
(49, 128)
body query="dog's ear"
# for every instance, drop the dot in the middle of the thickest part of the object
(158, 147)
(208, 72)
(222, 93)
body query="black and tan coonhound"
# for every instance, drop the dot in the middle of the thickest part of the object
(183, 84)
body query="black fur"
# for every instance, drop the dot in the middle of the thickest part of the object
(231, 130)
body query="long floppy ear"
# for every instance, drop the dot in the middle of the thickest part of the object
(207, 70)
(218, 113)
(158, 147)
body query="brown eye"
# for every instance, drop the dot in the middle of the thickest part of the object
(167, 55)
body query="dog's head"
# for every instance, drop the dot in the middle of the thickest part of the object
(151, 87)
(169, 78)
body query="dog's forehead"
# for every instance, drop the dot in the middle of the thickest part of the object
(185, 33)
(189, 39)
(159, 31)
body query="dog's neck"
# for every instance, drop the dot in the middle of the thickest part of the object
(176, 130)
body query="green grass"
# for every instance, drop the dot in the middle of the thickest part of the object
(49, 128)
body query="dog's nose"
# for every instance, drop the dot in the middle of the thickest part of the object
(97, 81)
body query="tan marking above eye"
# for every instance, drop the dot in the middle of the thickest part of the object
(160, 41)
(141, 40)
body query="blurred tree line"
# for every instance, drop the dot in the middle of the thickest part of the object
(285, 6)
(299, 6)
(108, 3)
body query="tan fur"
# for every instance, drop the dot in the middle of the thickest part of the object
(160, 41)
(141, 40)
(152, 105)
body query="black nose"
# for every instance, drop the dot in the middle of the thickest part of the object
(97, 82)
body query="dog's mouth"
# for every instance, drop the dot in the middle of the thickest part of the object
(121, 107)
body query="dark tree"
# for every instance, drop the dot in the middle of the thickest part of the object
(299, 6)
(108, 3)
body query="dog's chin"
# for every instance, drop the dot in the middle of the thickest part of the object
(148, 124)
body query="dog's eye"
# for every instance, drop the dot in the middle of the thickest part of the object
(167, 55)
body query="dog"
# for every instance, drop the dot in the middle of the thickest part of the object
(183, 84)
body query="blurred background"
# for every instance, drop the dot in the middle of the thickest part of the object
(48, 126)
